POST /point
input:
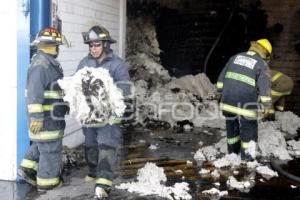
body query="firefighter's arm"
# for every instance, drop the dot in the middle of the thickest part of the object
(35, 97)
(122, 79)
(279, 105)
(264, 89)
(221, 79)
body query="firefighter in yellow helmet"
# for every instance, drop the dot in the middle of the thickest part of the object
(245, 85)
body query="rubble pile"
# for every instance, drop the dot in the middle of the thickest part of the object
(160, 97)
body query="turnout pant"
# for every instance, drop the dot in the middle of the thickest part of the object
(44, 158)
(101, 151)
(240, 131)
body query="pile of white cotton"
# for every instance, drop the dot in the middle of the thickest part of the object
(151, 180)
(92, 96)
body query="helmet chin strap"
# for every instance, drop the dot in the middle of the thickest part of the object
(52, 50)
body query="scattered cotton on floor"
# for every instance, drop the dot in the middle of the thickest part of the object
(214, 191)
(151, 181)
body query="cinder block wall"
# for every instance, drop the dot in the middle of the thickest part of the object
(286, 58)
(77, 16)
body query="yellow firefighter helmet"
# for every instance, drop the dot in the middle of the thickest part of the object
(265, 44)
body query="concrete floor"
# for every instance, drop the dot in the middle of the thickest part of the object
(174, 146)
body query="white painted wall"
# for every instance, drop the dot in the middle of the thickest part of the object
(78, 16)
(8, 88)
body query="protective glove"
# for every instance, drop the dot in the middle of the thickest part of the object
(269, 114)
(36, 126)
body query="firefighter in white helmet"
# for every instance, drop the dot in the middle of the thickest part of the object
(103, 140)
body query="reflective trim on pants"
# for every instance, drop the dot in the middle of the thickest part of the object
(104, 181)
(30, 164)
(233, 140)
(245, 145)
(47, 182)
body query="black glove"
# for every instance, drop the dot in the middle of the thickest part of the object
(218, 96)
(269, 114)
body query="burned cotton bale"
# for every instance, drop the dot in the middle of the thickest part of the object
(93, 97)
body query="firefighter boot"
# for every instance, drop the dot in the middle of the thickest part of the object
(100, 193)
(29, 175)
(246, 156)
(91, 155)
(234, 148)
(89, 178)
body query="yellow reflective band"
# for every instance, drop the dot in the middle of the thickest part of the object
(219, 85)
(237, 110)
(47, 181)
(112, 120)
(115, 120)
(280, 108)
(271, 111)
(245, 145)
(276, 76)
(47, 135)
(265, 99)
(279, 94)
(47, 107)
(38, 108)
(251, 53)
(103, 181)
(35, 108)
(95, 125)
(233, 140)
(240, 77)
(30, 164)
(52, 94)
